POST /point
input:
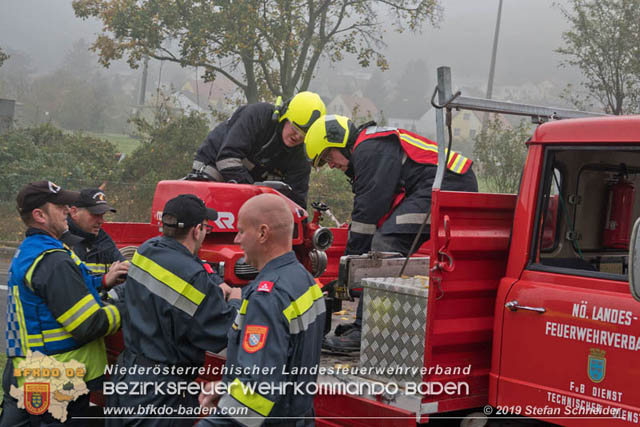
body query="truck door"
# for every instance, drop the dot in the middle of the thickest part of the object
(570, 328)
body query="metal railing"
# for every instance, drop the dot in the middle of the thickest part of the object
(448, 100)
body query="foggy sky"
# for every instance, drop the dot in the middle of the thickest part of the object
(530, 32)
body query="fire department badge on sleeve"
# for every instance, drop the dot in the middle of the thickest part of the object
(265, 286)
(597, 365)
(254, 338)
(36, 398)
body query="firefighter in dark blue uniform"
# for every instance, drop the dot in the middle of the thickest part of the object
(53, 305)
(176, 311)
(278, 331)
(392, 171)
(262, 142)
(86, 237)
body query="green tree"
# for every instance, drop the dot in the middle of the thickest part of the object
(604, 43)
(167, 147)
(15, 76)
(46, 152)
(3, 57)
(332, 187)
(267, 47)
(500, 151)
(73, 161)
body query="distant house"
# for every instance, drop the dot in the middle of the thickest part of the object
(422, 122)
(186, 102)
(219, 94)
(467, 124)
(348, 105)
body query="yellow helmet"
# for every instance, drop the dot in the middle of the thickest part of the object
(330, 131)
(303, 109)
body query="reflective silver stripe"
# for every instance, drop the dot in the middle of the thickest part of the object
(50, 336)
(363, 228)
(301, 323)
(114, 320)
(376, 129)
(252, 417)
(35, 341)
(82, 310)
(162, 290)
(207, 169)
(232, 162)
(414, 218)
(97, 268)
(239, 321)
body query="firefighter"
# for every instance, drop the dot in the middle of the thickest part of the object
(278, 332)
(262, 142)
(86, 236)
(53, 305)
(176, 310)
(392, 171)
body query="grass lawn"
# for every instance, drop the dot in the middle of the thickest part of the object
(124, 143)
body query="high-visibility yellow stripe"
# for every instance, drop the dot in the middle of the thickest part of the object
(96, 267)
(457, 161)
(110, 318)
(77, 306)
(420, 144)
(95, 307)
(165, 276)
(113, 315)
(253, 401)
(118, 318)
(303, 303)
(59, 334)
(21, 321)
(32, 268)
(243, 307)
(35, 340)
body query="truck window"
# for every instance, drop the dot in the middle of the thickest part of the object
(586, 208)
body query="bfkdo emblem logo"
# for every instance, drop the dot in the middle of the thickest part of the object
(36, 398)
(254, 338)
(597, 365)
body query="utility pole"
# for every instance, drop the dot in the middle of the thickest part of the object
(492, 67)
(143, 83)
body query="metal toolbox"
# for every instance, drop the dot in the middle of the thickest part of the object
(394, 327)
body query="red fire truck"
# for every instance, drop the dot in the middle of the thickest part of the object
(526, 302)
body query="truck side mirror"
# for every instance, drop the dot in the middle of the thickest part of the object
(634, 260)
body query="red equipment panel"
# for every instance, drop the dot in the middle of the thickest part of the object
(470, 235)
(224, 198)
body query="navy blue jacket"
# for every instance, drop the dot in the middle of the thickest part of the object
(248, 147)
(175, 309)
(279, 329)
(380, 169)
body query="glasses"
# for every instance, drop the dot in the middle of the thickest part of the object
(207, 228)
(299, 132)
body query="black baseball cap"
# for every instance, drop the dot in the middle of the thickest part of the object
(36, 194)
(93, 200)
(187, 210)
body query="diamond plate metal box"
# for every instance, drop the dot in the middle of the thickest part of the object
(394, 327)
